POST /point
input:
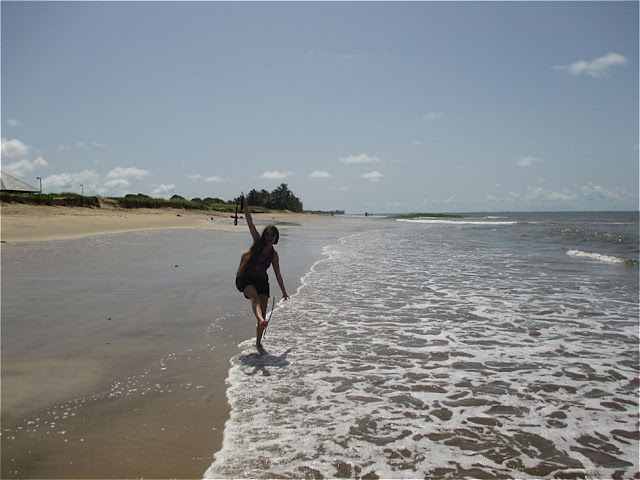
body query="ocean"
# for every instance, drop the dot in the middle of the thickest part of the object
(489, 346)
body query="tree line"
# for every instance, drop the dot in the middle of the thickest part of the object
(279, 199)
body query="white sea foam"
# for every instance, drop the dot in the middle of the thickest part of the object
(408, 354)
(443, 221)
(598, 256)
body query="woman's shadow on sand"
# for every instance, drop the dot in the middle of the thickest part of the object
(263, 359)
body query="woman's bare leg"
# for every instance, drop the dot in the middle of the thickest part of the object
(264, 302)
(259, 309)
(256, 307)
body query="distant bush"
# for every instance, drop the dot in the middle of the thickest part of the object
(140, 195)
(212, 201)
(144, 201)
(51, 199)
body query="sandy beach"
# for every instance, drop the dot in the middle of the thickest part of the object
(117, 330)
(27, 223)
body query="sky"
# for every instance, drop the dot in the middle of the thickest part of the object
(382, 107)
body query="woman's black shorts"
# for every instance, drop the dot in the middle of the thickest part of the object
(261, 285)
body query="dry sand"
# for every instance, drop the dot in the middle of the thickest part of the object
(122, 375)
(26, 223)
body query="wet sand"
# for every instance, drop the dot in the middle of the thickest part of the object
(117, 330)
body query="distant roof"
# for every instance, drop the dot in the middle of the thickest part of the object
(11, 184)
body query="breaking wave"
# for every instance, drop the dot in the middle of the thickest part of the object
(601, 258)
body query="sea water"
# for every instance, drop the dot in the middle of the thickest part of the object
(489, 346)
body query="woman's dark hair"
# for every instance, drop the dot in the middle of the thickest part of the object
(251, 256)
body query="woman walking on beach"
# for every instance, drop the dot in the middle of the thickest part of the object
(252, 278)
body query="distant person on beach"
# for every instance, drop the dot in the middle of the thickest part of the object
(252, 278)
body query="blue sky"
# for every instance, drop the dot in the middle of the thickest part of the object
(361, 106)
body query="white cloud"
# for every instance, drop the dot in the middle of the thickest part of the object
(374, 176)
(197, 177)
(447, 201)
(14, 148)
(594, 68)
(81, 145)
(433, 115)
(12, 122)
(129, 172)
(540, 194)
(276, 175)
(320, 174)
(162, 190)
(118, 184)
(561, 198)
(70, 182)
(416, 142)
(597, 192)
(23, 167)
(528, 161)
(87, 145)
(360, 159)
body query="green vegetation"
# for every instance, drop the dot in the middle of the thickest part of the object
(51, 199)
(144, 201)
(280, 199)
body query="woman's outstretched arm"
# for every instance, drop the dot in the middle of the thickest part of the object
(247, 215)
(276, 269)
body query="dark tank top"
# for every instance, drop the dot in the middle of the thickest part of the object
(259, 269)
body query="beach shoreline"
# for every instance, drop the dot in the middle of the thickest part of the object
(121, 372)
(32, 223)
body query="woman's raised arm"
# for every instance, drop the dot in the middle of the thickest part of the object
(247, 214)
